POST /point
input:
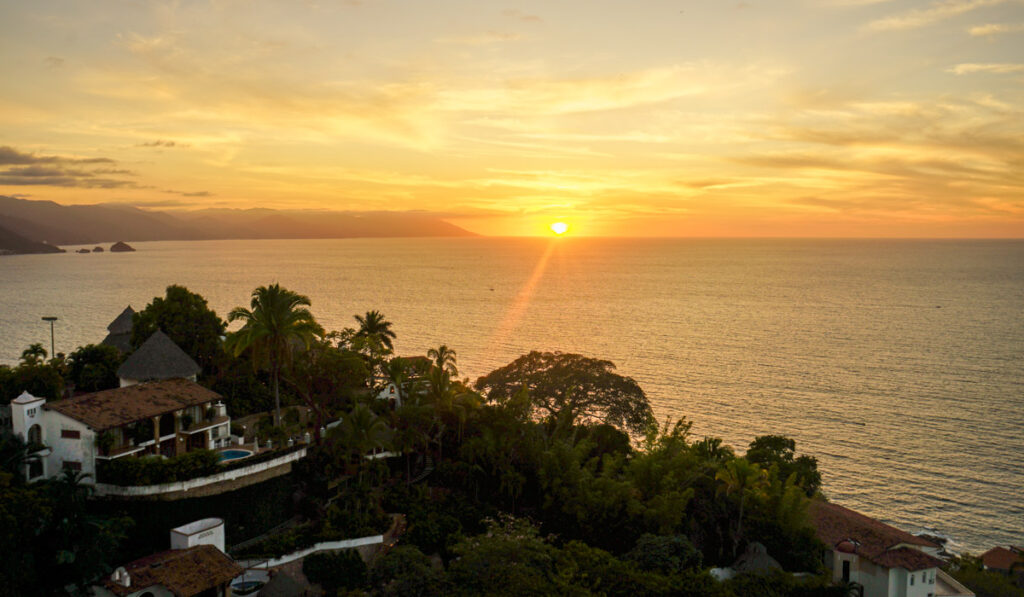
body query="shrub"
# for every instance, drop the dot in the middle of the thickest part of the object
(150, 470)
(335, 571)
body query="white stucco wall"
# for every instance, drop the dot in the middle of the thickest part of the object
(874, 579)
(63, 449)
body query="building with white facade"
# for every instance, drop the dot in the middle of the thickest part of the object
(169, 417)
(883, 560)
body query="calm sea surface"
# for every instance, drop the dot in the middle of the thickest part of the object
(899, 364)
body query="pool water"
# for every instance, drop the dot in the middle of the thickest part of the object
(234, 454)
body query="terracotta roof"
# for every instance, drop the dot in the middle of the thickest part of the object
(122, 324)
(878, 542)
(122, 406)
(158, 358)
(1000, 558)
(185, 572)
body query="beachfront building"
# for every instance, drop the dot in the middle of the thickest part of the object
(881, 559)
(158, 358)
(169, 418)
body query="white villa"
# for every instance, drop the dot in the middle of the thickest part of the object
(883, 560)
(167, 417)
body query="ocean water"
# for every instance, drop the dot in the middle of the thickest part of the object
(898, 364)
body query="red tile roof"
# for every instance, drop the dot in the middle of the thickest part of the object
(185, 572)
(122, 406)
(1000, 558)
(878, 542)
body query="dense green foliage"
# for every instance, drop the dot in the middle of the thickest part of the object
(335, 571)
(187, 320)
(569, 388)
(94, 367)
(155, 470)
(987, 583)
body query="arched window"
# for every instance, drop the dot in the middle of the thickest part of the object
(35, 434)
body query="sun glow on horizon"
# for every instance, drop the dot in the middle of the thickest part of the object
(559, 228)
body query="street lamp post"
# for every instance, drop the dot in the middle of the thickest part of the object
(51, 319)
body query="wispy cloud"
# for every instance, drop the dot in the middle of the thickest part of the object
(1001, 68)
(519, 15)
(18, 168)
(481, 39)
(163, 143)
(937, 12)
(993, 29)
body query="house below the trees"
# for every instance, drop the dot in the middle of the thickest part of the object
(195, 566)
(881, 559)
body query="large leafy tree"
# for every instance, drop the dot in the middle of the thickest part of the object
(571, 388)
(187, 320)
(94, 367)
(780, 451)
(276, 320)
(373, 325)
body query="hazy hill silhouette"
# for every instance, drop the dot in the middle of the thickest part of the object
(87, 224)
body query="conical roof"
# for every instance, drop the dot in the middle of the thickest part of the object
(122, 324)
(158, 358)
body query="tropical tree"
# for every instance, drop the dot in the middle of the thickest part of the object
(444, 359)
(276, 320)
(780, 451)
(373, 325)
(361, 432)
(570, 388)
(94, 367)
(35, 354)
(187, 320)
(740, 479)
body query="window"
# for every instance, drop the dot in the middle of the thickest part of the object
(215, 432)
(846, 570)
(71, 434)
(31, 412)
(911, 580)
(72, 465)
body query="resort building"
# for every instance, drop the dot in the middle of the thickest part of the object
(882, 560)
(167, 417)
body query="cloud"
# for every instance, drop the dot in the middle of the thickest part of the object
(519, 15)
(9, 155)
(162, 143)
(993, 29)
(1000, 68)
(53, 62)
(22, 169)
(482, 39)
(937, 12)
(189, 193)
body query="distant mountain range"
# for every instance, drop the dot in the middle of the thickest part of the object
(48, 222)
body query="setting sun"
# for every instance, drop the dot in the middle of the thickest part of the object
(559, 228)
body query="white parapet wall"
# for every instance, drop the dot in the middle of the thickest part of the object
(105, 489)
(323, 546)
(208, 531)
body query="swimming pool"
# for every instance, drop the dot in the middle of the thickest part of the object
(234, 454)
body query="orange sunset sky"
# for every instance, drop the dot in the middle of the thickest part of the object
(641, 118)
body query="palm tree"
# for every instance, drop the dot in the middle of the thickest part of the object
(35, 354)
(743, 479)
(373, 325)
(361, 431)
(444, 359)
(277, 318)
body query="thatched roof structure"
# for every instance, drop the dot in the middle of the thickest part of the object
(158, 358)
(120, 329)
